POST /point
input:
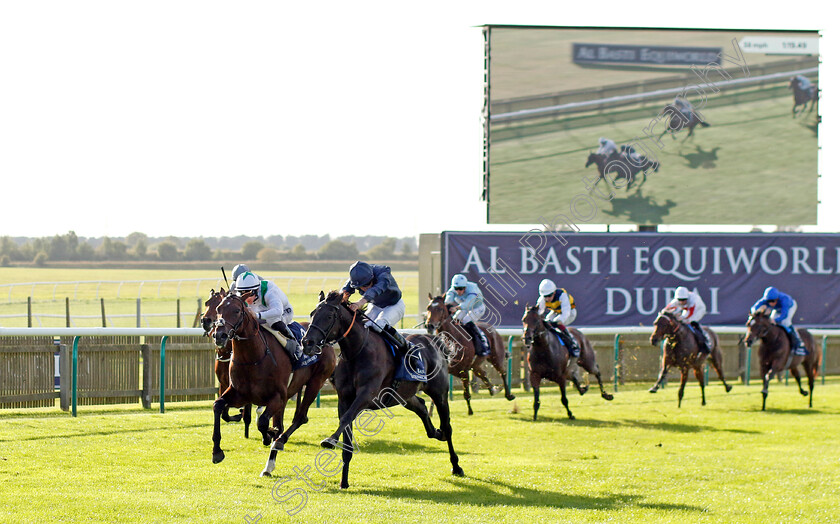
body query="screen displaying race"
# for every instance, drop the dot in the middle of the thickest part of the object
(650, 126)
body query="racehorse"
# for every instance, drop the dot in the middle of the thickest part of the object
(775, 355)
(259, 374)
(223, 355)
(622, 166)
(681, 350)
(461, 350)
(803, 95)
(547, 357)
(364, 379)
(677, 121)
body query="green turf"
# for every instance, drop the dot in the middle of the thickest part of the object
(121, 288)
(636, 459)
(755, 165)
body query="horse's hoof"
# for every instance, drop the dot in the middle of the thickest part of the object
(235, 418)
(510, 396)
(265, 473)
(439, 435)
(583, 390)
(218, 456)
(803, 392)
(607, 396)
(653, 390)
(328, 443)
(703, 403)
(345, 485)
(728, 388)
(457, 471)
(470, 412)
(571, 417)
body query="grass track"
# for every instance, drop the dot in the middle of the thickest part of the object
(636, 459)
(754, 165)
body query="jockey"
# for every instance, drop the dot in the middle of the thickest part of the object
(684, 107)
(606, 147)
(561, 312)
(271, 307)
(469, 302)
(690, 308)
(380, 290)
(238, 269)
(804, 83)
(635, 158)
(784, 309)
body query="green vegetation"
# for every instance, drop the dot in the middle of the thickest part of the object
(636, 459)
(158, 291)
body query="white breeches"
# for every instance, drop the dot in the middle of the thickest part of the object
(390, 315)
(465, 317)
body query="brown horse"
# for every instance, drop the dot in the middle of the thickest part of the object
(223, 355)
(803, 95)
(364, 379)
(461, 351)
(259, 374)
(681, 350)
(547, 357)
(775, 355)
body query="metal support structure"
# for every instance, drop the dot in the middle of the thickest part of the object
(825, 341)
(747, 370)
(75, 373)
(615, 368)
(509, 361)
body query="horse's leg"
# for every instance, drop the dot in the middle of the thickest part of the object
(662, 372)
(302, 409)
(276, 405)
(698, 372)
(465, 380)
(479, 372)
(300, 378)
(417, 406)
(362, 399)
(439, 400)
(535, 385)
(768, 376)
(273, 410)
(222, 373)
(498, 363)
(812, 377)
(591, 366)
(795, 372)
(246, 417)
(717, 363)
(230, 397)
(683, 380)
(563, 398)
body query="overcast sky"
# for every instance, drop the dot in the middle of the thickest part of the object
(262, 118)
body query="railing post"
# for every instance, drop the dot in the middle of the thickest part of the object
(825, 340)
(75, 374)
(162, 371)
(747, 370)
(615, 368)
(450, 388)
(138, 311)
(509, 361)
(28, 311)
(318, 399)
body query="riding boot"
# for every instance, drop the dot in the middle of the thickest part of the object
(796, 346)
(292, 347)
(703, 344)
(482, 347)
(409, 354)
(568, 340)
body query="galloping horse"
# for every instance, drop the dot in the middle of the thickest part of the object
(547, 357)
(681, 350)
(259, 374)
(775, 355)
(803, 95)
(461, 350)
(622, 166)
(364, 379)
(223, 355)
(677, 121)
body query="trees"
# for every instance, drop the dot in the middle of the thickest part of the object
(167, 251)
(197, 249)
(338, 250)
(384, 251)
(251, 249)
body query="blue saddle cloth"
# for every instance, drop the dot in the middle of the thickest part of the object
(406, 371)
(574, 353)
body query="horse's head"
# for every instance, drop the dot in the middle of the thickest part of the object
(326, 321)
(234, 321)
(758, 325)
(532, 325)
(437, 312)
(209, 316)
(666, 323)
(794, 82)
(592, 159)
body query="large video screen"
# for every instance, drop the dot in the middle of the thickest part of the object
(651, 126)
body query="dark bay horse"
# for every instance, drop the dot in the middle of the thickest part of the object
(547, 357)
(803, 95)
(681, 350)
(223, 355)
(677, 121)
(259, 374)
(461, 351)
(775, 355)
(364, 379)
(622, 166)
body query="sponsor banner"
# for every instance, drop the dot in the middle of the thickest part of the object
(780, 45)
(626, 278)
(645, 54)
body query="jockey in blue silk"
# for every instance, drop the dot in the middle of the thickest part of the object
(468, 300)
(784, 309)
(690, 309)
(380, 290)
(561, 311)
(803, 82)
(271, 307)
(684, 107)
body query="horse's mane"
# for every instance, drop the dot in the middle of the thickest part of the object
(332, 295)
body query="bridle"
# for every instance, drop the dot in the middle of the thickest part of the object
(538, 330)
(334, 317)
(232, 335)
